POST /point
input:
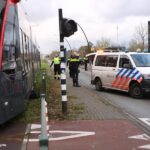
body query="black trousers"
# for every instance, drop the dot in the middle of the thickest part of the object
(57, 71)
(85, 65)
(70, 72)
(75, 74)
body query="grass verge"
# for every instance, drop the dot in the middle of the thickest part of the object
(53, 97)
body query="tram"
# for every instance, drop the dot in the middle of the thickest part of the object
(19, 59)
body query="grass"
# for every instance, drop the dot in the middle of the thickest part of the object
(53, 97)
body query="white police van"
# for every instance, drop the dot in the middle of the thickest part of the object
(124, 71)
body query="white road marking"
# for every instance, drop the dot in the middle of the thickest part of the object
(35, 126)
(140, 137)
(145, 120)
(2, 145)
(76, 135)
(145, 146)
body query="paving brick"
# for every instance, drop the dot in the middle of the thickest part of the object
(95, 106)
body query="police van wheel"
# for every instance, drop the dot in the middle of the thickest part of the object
(136, 91)
(98, 85)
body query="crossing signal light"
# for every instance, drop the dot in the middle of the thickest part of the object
(68, 27)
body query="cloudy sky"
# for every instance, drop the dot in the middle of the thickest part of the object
(98, 18)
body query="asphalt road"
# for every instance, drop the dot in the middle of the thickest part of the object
(138, 108)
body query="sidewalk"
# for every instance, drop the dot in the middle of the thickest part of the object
(96, 107)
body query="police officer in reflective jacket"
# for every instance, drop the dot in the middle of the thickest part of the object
(56, 61)
(74, 64)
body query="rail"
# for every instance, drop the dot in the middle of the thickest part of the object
(43, 138)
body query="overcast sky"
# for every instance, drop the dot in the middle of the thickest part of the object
(98, 18)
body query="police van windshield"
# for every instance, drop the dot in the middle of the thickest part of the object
(141, 60)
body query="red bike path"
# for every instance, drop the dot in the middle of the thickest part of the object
(76, 135)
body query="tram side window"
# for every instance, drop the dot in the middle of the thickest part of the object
(17, 43)
(26, 52)
(22, 49)
(30, 52)
(9, 49)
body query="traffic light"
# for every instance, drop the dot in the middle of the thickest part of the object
(68, 27)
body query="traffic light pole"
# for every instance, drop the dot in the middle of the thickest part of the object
(63, 66)
(85, 37)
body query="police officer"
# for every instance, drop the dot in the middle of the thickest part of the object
(74, 64)
(56, 61)
(85, 63)
(69, 64)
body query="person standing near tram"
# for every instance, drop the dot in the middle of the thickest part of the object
(74, 64)
(56, 61)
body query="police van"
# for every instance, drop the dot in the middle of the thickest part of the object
(124, 71)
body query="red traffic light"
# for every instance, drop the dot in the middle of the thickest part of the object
(68, 27)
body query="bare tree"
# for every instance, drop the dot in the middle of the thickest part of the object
(134, 45)
(83, 50)
(103, 43)
(141, 34)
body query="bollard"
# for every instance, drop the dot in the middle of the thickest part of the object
(43, 83)
(43, 138)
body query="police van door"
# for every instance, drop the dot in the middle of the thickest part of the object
(111, 69)
(121, 81)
